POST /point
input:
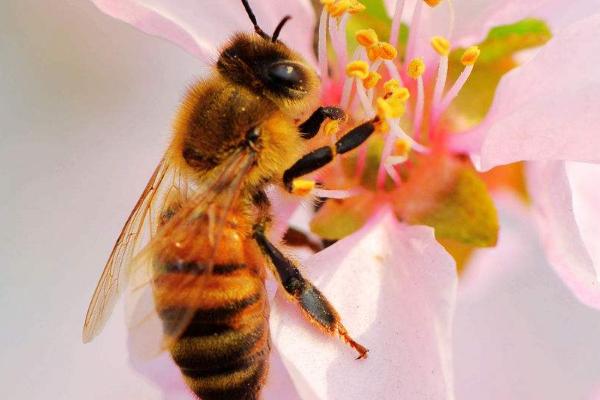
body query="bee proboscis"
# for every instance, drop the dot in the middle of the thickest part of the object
(196, 243)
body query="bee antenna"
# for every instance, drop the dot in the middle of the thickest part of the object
(253, 20)
(279, 27)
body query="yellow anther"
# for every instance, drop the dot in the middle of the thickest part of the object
(432, 3)
(331, 127)
(338, 8)
(398, 108)
(371, 80)
(358, 69)
(441, 45)
(373, 52)
(302, 187)
(366, 37)
(382, 126)
(387, 51)
(389, 108)
(356, 7)
(401, 94)
(382, 50)
(393, 89)
(416, 68)
(391, 85)
(384, 110)
(327, 2)
(402, 147)
(470, 55)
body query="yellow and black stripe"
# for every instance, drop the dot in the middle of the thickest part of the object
(223, 353)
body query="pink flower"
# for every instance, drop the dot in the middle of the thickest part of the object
(551, 125)
(393, 283)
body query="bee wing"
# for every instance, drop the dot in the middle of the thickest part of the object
(139, 226)
(147, 338)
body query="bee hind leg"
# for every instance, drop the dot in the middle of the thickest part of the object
(312, 302)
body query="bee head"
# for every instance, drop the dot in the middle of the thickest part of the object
(266, 66)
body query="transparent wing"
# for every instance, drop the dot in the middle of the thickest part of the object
(185, 229)
(139, 228)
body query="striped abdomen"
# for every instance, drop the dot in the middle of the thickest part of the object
(223, 353)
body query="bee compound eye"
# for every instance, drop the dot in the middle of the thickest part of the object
(284, 73)
(253, 134)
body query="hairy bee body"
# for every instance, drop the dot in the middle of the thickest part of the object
(223, 353)
(212, 123)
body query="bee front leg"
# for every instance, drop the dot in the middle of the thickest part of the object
(312, 302)
(309, 128)
(322, 156)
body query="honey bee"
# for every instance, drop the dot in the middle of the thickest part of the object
(197, 238)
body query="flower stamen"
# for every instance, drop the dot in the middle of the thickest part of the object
(371, 80)
(334, 194)
(403, 147)
(340, 7)
(384, 166)
(416, 69)
(337, 33)
(364, 101)
(366, 37)
(414, 30)
(442, 46)
(393, 70)
(468, 59)
(396, 20)
(357, 69)
(359, 54)
(302, 187)
(322, 46)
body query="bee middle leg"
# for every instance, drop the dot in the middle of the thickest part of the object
(322, 156)
(312, 302)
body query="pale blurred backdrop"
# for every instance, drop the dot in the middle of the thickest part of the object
(86, 104)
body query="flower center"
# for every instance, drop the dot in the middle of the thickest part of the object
(373, 81)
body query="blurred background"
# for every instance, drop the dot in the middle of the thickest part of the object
(86, 104)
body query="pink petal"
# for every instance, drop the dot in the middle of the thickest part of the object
(523, 336)
(557, 220)
(394, 287)
(584, 179)
(473, 20)
(202, 28)
(484, 269)
(549, 108)
(279, 385)
(283, 206)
